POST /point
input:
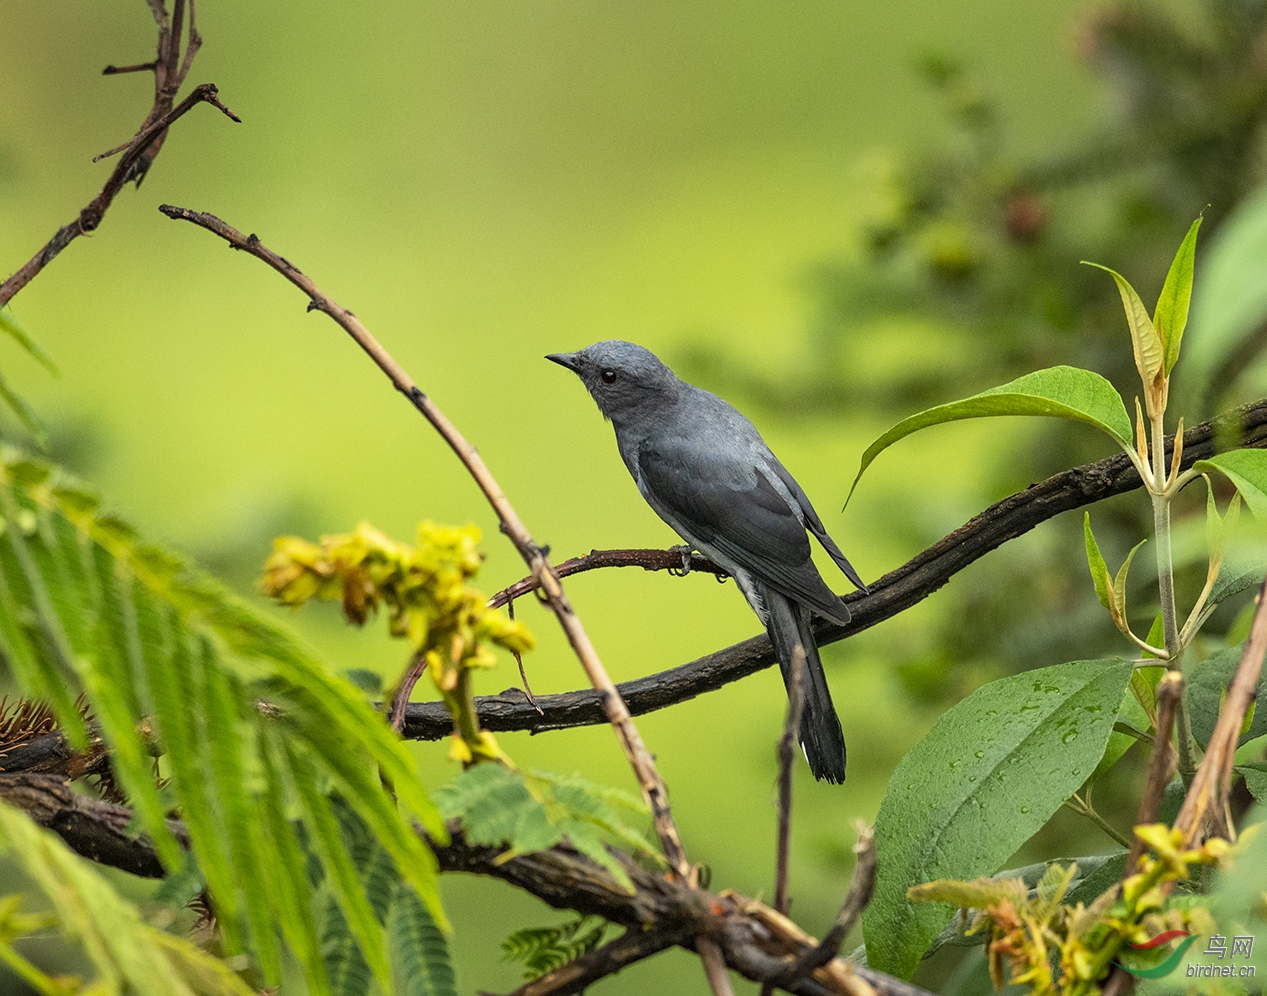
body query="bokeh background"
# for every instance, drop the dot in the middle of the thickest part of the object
(833, 213)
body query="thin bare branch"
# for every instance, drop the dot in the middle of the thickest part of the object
(1161, 766)
(1206, 801)
(859, 894)
(648, 560)
(90, 217)
(787, 760)
(534, 556)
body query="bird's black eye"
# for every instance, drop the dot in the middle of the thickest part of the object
(609, 376)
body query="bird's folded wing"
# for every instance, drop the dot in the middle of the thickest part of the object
(734, 508)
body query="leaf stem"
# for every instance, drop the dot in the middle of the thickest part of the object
(1084, 807)
(1161, 494)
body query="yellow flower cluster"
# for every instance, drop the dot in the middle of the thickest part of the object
(428, 600)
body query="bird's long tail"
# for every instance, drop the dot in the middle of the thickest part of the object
(820, 733)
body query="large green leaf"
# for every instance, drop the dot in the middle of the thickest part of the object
(1066, 392)
(128, 955)
(155, 645)
(1247, 469)
(991, 771)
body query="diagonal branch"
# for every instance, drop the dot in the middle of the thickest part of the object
(617, 713)
(895, 592)
(140, 150)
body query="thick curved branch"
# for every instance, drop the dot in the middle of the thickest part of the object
(756, 941)
(140, 150)
(893, 593)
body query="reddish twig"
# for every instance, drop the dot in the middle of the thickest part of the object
(139, 152)
(400, 699)
(648, 560)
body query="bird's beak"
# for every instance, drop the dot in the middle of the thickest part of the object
(564, 360)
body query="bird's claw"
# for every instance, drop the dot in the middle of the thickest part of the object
(684, 552)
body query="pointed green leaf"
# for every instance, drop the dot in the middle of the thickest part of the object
(1095, 560)
(1247, 469)
(1065, 392)
(991, 771)
(1150, 354)
(1119, 583)
(1171, 315)
(1255, 774)
(420, 956)
(10, 327)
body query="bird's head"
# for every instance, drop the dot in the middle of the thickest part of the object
(623, 378)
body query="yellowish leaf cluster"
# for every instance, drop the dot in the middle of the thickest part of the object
(1025, 929)
(428, 601)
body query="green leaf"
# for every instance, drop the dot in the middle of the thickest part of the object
(535, 811)
(10, 327)
(1239, 571)
(1119, 582)
(127, 954)
(1205, 687)
(1247, 469)
(1131, 712)
(1230, 303)
(1099, 569)
(991, 771)
(1171, 315)
(543, 949)
(1255, 773)
(1150, 354)
(1067, 392)
(418, 950)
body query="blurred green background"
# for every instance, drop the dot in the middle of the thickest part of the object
(483, 183)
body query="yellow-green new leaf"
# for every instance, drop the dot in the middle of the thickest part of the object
(1119, 583)
(1099, 569)
(1150, 353)
(1065, 392)
(1171, 314)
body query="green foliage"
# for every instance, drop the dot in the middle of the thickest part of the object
(1206, 688)
(543, 949)
(1066, 392)
(129, 956)
(1171, 315)
(159, 647)
(991, 771)
(1255, 775)
(10, 327)
(533, 811)
(1247, 470)
(415, 946)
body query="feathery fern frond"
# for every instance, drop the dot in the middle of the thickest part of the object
(157, 646)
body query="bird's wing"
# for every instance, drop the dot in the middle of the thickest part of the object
(816, 526)
(737, 511)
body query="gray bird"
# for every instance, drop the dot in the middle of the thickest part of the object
(707, 472)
